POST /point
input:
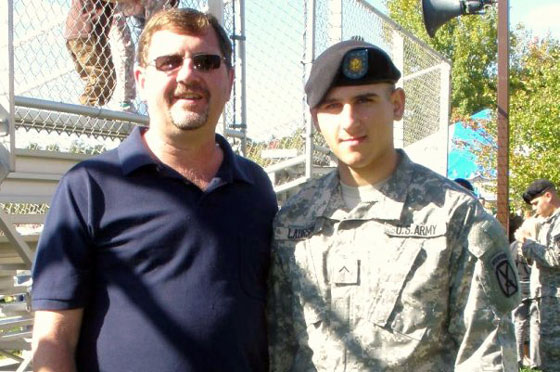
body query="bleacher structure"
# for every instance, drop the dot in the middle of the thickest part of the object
(44, 131)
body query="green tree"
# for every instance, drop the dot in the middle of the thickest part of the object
(470, 43)
(535, 113)
(534, 118)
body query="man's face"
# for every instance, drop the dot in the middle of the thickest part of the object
(542, 205)
(357, 122)
(184, 98)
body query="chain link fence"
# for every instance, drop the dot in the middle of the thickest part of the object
(266, 119)
(275, 82)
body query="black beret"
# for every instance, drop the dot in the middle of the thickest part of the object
(465, 183)
(537, 188)
(351, 62)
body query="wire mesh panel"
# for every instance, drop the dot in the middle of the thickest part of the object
(62, 55)
(266, 117)
(274, 52)
(6, 81)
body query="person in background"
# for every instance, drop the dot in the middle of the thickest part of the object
(86, 33)
(154, 255)
(521, 314)
(544, 251)
(382, 264)
(122, 47)
(465, 183)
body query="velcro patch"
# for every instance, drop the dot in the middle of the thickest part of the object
(505, 275)
(355, 64)
(293, 232)
(417, 230)
(347, 271)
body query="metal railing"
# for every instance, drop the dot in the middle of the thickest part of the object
(274, 45)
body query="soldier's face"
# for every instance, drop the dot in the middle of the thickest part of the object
(542, 205)
(357, 122)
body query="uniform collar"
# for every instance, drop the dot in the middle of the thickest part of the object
(554, 215)
(388, 203)
(134, 154)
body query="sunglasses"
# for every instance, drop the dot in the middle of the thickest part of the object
(201, 62)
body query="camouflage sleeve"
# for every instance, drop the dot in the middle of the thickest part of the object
(281, 334)
(484, 291)
(544, 256)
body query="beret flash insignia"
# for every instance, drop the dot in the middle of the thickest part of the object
(355, 64)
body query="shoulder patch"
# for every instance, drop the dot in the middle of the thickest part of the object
(485, 236)
(505, 274)
(355, 64)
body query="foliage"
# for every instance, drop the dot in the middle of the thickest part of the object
(534, 118)
(295, 140)
(535, 114)
(470, 43)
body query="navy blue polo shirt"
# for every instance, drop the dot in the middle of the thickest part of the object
(171, 278)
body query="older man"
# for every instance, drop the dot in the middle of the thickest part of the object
(154, 255)
(545, 274)
(383, 265)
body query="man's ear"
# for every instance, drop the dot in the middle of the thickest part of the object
(231, 79)
(398, 99)
(140, 78)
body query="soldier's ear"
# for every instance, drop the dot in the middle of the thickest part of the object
(398, 99)
(314, 119)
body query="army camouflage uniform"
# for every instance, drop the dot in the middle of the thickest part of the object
(421, 279)
(122, 46)
(520, 315)
(545, 290)
(122, 49)
(86, 33)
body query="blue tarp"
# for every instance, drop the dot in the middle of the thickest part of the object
(462, 162)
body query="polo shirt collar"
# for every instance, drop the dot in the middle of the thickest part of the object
(231, 169)
(134, 154)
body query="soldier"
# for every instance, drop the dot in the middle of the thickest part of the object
(382, 264)
(545, 274)
(520, 314)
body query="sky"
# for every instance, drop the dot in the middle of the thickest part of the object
(540, 16)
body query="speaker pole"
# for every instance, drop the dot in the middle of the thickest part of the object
(503, 114)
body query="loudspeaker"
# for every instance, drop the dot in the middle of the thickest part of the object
(438, 12)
